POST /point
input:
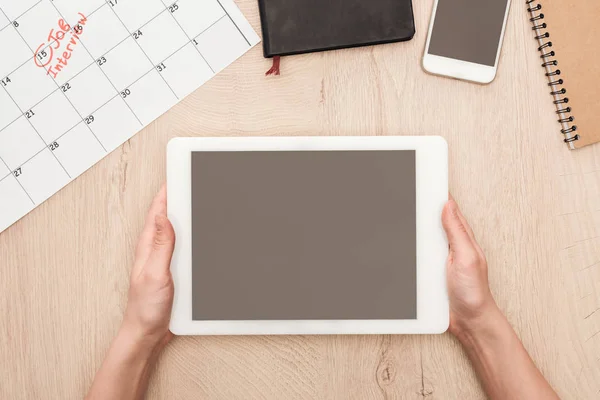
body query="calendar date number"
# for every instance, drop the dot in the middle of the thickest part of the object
(41, 55)
(54, 52)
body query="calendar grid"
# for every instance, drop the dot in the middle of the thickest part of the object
(89, 65)
(101, 70)
(105, 103)
(23, 13)
(116, 84)
(108, 51)
(7, 167)
(36, 131)
(68, 130)
(24, 112)
(69, 100)
(43, 48)
(11, 174)
(153, 18)
(28, 58)
(57, 89)
(96, 110)
(207, 28)
(59, 137)
(190, 40)
(30, 158)
(234, 23)
(13, 121)
(140, 47)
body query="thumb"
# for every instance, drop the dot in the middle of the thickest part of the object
(458, 235)
(163, 244)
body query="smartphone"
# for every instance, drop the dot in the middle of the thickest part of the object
(465, 38)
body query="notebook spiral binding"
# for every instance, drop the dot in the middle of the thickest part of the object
(550, 64)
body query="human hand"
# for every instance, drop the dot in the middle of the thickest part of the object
(471, 301)
(498, 356)
(151, 287)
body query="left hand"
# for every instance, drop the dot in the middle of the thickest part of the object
(151, 287)
(471, 302)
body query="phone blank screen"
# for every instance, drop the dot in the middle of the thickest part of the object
(468, 30)
(304, 235)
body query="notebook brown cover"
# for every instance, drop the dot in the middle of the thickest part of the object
(572, 26)
(303, 26)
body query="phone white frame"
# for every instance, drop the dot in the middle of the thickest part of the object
(459, 69)
(432, 246)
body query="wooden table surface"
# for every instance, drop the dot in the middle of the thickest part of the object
(534, 206)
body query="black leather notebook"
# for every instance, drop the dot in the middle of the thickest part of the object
(304, 26)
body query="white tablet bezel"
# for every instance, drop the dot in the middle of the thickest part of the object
(432, 246)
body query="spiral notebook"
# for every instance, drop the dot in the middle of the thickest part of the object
(567, 32)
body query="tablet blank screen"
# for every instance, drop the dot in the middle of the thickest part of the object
(304, 235)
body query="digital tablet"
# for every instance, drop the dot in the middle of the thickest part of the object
(308, 235)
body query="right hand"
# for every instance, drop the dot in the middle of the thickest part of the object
(471, 300)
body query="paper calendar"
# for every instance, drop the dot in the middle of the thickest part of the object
(80, 77)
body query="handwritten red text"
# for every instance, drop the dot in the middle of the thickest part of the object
(54, 54)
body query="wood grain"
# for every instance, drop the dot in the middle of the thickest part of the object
(533, 204)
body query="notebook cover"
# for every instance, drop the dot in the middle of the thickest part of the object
(574, 33)
(304, 26)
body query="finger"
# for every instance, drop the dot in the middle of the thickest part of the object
(158, 206)
(469, 229)
(463, 221)
(462, 218)
(456, 231)
(163, 245)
